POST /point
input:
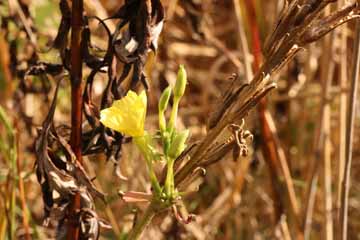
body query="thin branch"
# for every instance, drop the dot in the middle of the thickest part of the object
(342, 112)
(142, 223)
(278, 164)
(327, 75)
(350, 134)
(244, 47)
(322, 149)
(25, 220)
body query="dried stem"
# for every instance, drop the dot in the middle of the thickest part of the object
(350, 135)
(25, 220)
(76, 103)
(243, 44)
(342, 112)
(310, 202)
(145, 220)
(272, 147)
(269, 147)
(322, 149)
(15, 6)
(327, 74)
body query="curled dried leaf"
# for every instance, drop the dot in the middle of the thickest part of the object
(90, 224)
(60, 179)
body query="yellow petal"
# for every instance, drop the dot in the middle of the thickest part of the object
(126, 115)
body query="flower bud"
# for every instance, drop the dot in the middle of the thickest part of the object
(164, 99)
(178, 144)
(180, 84)
(163, 102)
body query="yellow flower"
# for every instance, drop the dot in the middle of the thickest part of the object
(126, 115)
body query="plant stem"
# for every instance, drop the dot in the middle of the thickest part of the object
(243, 44)
(173, 115)
(326, 76)
(144, 221)
(154, 181)
(142, 146)
(277, 162)
(350, 135)
(76, 103)
(342, 112)
(169, 182)
(25, 220)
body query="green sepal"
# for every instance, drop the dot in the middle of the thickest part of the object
(178, 143)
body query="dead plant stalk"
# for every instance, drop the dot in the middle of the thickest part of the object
(350, 135)
(76, 101)
(278, 165)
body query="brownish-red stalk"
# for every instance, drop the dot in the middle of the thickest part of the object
(274, 155)
(76, 104)
(269, 146)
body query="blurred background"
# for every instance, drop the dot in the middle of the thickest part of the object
(244, 199)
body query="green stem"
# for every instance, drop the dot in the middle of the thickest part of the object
(174, 113)
(169, 182)
(162, 121)
(142, 143)
(153, 179)
(145, 220)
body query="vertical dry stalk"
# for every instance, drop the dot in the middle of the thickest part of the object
(323, 148)
(327, 74)
(310, 202)
(269, 148)
(243, 42)
(25, 220)
(350, 134)
(284, 166)
(342, 112)
(76, 102)
(272, 145)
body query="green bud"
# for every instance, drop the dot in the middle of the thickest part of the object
(163, 102)
(178, 144)
(180, 84)
(164, 99)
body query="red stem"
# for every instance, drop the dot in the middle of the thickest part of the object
(269, 146)
(76, 104)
